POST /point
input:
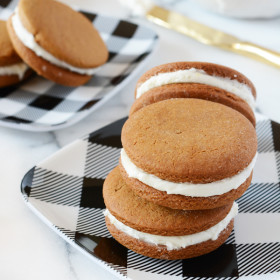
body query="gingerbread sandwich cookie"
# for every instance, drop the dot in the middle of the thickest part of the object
(57, 42)
(12, 68)
(201, 80)
(188, 153)
(160, 232)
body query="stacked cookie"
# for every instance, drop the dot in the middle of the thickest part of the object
(55, 41)
(184, 161)
(12, 68)
(206, 81)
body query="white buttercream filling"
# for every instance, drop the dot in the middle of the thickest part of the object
(186, 188)
(176, 242)
(18, 69)
(28, 41)
(198, 76)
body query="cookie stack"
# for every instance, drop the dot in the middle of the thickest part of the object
(184, 161)
(55, 41)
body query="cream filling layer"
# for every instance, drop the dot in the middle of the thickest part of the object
(28, 41)
(176, 242)
(186, 188)
(18, 69)
(198, 76)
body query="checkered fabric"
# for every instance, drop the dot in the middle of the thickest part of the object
(69, 184)
(39, 104)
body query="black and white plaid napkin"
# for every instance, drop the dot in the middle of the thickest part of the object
(69, 184)
(41, 105)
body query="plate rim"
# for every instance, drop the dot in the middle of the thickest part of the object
(51, 225)
(71, 242)
(41, 217)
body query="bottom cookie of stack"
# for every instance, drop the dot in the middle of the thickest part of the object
(159, 232)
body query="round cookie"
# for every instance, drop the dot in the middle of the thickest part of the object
(188, 153)
(12, 68)
(201, 80)
(160, 232)
(57, 42)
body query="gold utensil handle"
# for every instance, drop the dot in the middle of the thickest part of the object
(258, 53)
(210, 36)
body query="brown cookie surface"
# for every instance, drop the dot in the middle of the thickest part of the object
(63, 32)
(189, 140)
(161, 252)
(8, 80)
(176, 201)
(194, 90)
(148, 217)
(8, 55)
(45, 68)
(9, 58)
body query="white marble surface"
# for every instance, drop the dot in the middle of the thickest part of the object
(31, 250)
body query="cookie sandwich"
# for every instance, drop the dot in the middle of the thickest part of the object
(201, 80)
(160, 232)
(188, 153)
(59, 43)
(12, 68)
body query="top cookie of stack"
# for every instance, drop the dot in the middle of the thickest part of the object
(57, 42)
(201, 80)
